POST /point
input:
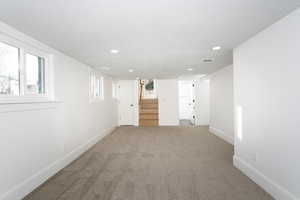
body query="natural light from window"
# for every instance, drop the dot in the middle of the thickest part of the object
(96, 87)
(9, 70)
(24, 73)
(35, 67)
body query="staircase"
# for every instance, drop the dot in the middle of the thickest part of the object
(148, 112)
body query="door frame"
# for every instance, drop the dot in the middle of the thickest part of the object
(134, 102)
(192, 99)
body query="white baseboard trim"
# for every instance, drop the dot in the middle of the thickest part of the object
(162, 125)
(21, 190)
(168, 123)
(277, 191)
(221, 134)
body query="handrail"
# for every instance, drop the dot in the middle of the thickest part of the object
(141, 90)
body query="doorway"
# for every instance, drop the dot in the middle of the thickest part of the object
(127, 102)
(186, 102)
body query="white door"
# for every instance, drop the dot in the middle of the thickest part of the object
(186, 100)
(126, 102)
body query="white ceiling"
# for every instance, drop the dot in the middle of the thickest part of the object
(156, 38)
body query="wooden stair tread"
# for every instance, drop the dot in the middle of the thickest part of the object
(147, 122)
(148, 106)
(149, 101)
(148, 111)
(149, 116)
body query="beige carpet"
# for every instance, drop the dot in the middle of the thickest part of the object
(155, 163)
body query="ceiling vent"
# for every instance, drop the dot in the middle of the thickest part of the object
(207, 60)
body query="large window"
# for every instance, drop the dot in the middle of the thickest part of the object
(23, 73)
(96, 87)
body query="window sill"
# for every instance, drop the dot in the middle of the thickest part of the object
(97, 100)
(28, 102)
(23, 106)
(26, 99)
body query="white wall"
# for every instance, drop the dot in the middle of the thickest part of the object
(38, 139)
(202, 102)
(167, 92)
(266, 77)
(221, 103)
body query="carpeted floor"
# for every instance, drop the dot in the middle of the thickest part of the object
(155, 163)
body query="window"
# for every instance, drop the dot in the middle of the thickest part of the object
(96, 87)
(35, 74)
(9, 70)
(23, 73)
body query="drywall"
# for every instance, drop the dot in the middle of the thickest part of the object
(266, 79)
(202, 101)
(221, 103)
(167, 92)
(38, 139)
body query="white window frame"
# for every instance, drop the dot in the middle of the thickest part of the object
(23, 97)
(94, 77)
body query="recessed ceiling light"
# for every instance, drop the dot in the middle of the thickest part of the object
(114, 51)
(207, 60)
(130, 70)
(105, 68)
(216, 48)
(201, 75)
(190, 69)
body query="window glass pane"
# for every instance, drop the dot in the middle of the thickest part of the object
(113, 90)
(92, 79)
(9, 70)
(35, 74)
(101, 92)
(98, 86)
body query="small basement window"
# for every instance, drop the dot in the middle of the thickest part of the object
(9, 70)
(96, 87)
(35, 74)
(23, 73)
